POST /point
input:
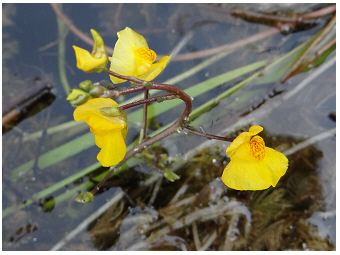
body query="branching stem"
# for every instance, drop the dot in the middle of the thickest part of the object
(148, 100)
(170, 130)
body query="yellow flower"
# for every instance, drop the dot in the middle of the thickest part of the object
(132, 57)
(253, 166)
(110, 132)
(96, 60)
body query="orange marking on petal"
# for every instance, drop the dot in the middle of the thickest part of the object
(257, 146)
(147, 54)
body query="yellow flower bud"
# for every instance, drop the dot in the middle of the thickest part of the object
(86, 85)
(97, 60)
(75, 93)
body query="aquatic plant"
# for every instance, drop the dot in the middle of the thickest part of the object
(253, 166)
(190, 208)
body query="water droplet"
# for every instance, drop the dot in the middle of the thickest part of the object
(136, 149)
(206, 74)
(214, 161)
(34, 239)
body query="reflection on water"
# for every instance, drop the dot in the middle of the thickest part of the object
(145, 211)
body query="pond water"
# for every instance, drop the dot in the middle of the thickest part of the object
(48, 158)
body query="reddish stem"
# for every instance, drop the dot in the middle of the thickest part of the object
(311, 46)
(170, 130)
(148, 100)
(145, 115)
(319, 13)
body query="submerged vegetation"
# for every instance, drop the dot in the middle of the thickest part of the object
(170, 195)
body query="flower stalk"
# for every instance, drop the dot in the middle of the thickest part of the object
(252, 167)
(177, 93)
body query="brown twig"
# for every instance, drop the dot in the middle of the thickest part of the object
(73, 28)
(229, 46)
(205, 53)
(268, 19)
(318, 13)
(311, 46)
(180, 57)
(316, 55)
(296, 21)
(49, 45)
(10, 116)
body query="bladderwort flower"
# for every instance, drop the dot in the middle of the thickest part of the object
(132, 57)
(95, 61)
(109, 126)
(253, 166)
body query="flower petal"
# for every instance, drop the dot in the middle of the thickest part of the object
(144, 57)
(100, 124)
(246, 175)
(244, 137)
(277, 163)
(251, 151)
(241, 174)
(254, 130)
(123, 58)
(155, 69)
(113, 148)
(87, 62)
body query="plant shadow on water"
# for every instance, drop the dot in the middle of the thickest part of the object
(48, 158)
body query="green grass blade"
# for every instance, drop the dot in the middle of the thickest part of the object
(56, 155)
